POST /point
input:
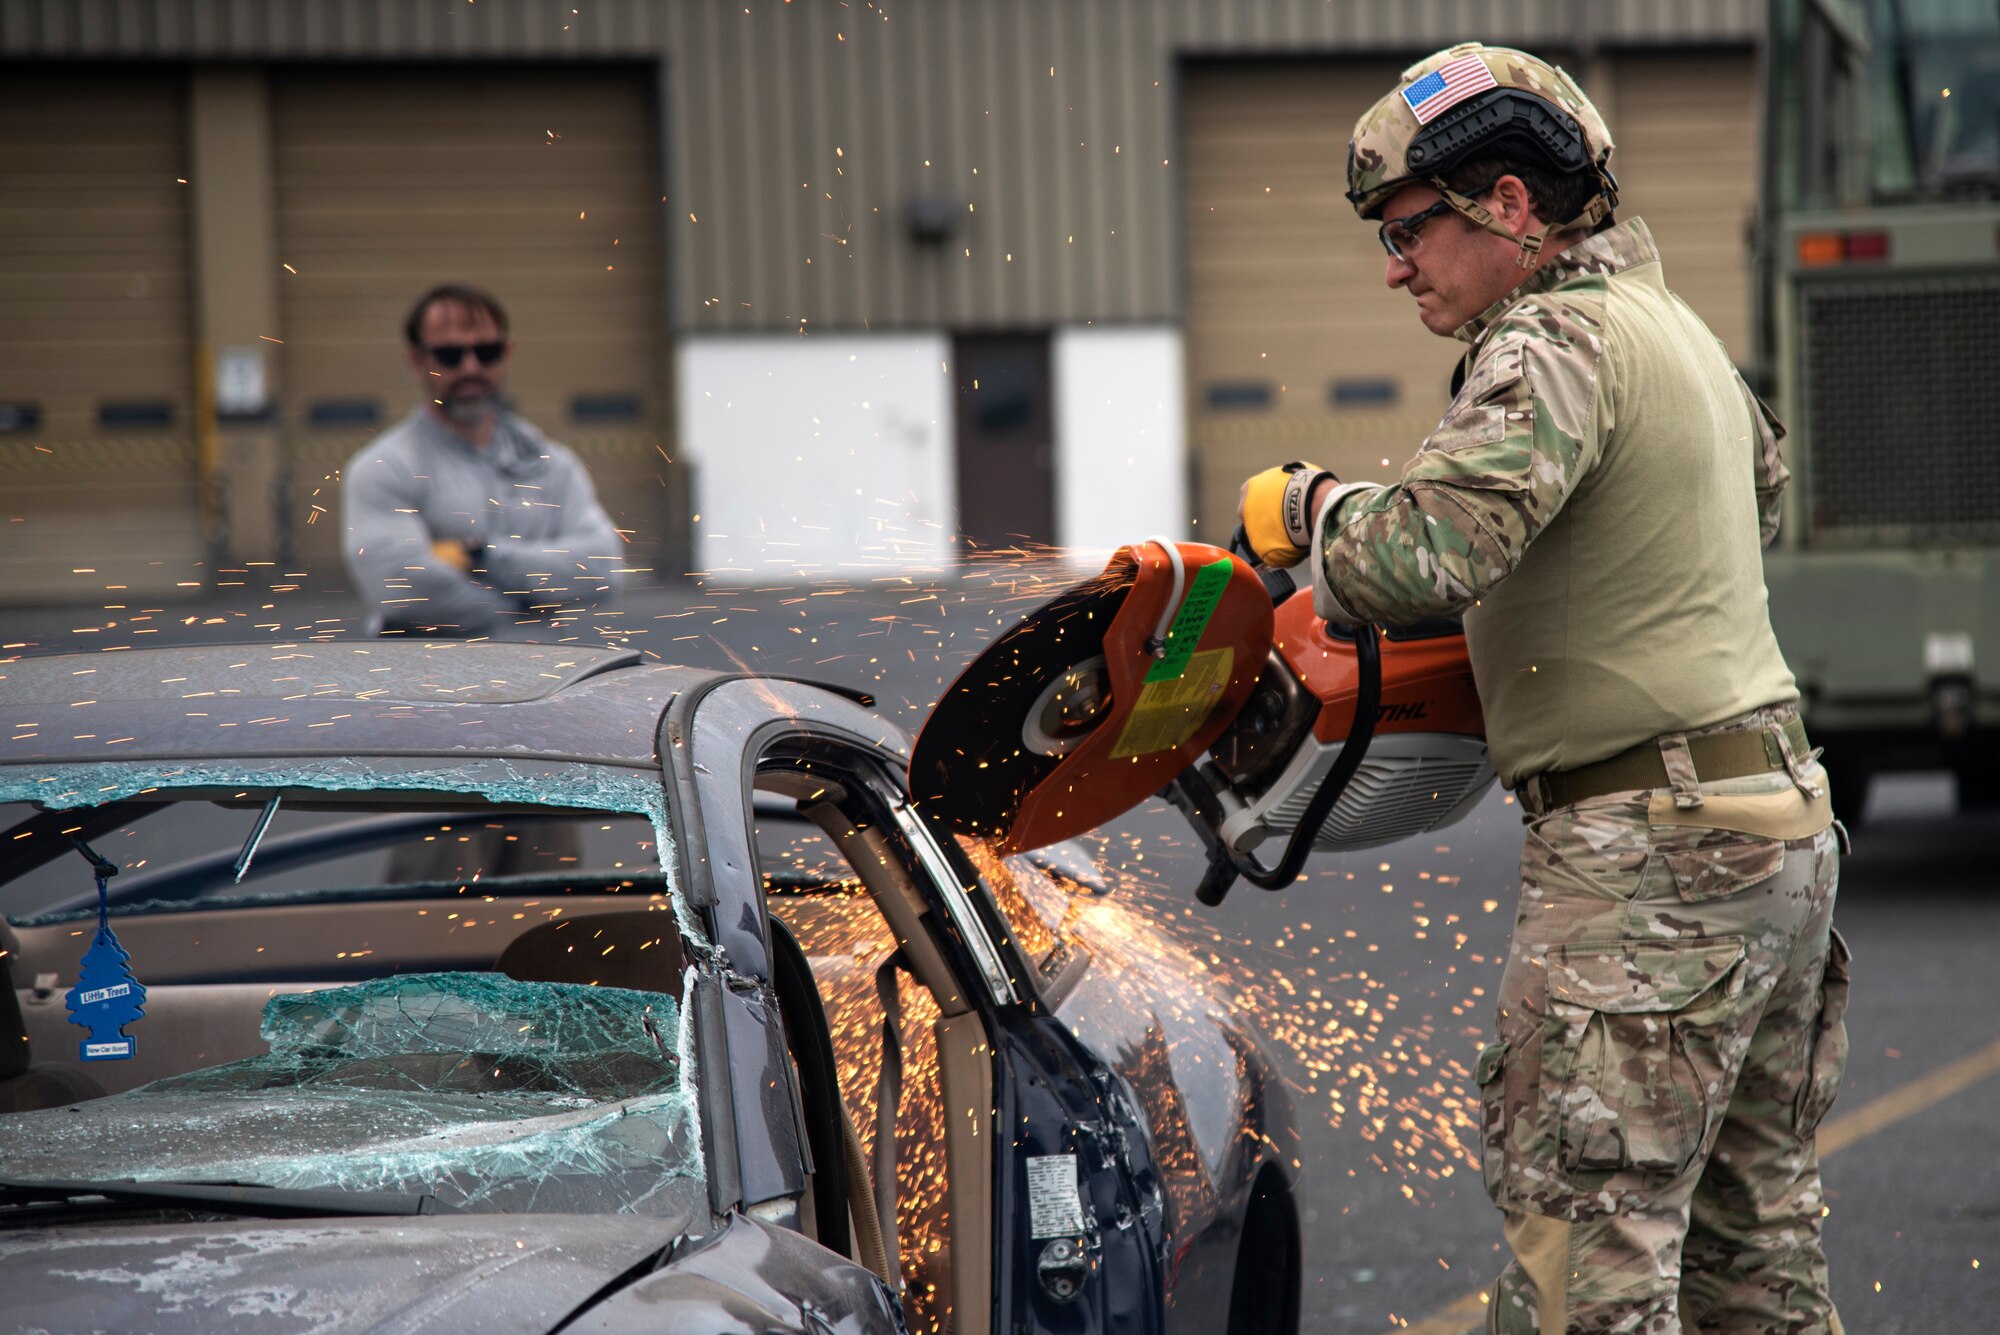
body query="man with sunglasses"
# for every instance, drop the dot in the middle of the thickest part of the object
(1593, 506)
(463, 519)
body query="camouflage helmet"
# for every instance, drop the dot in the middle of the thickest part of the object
(1480, 101)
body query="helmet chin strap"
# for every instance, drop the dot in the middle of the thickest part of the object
(1531, 242)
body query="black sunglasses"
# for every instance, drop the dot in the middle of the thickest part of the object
(1399, 235)
(449, 355)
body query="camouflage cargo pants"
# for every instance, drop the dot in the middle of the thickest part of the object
(1670, 1035)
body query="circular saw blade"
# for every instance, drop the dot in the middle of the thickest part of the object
(972, 759)
(1096, 700)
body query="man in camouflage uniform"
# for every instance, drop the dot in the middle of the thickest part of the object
(1593, 504)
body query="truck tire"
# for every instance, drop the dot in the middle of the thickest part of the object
(1978, 785)
(1848, 781)
(1264, 1300)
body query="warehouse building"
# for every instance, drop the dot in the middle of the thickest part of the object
(810, 285)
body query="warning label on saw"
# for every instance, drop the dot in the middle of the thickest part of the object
(1168, 713)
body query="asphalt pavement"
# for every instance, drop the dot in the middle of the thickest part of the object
(1399, 1234)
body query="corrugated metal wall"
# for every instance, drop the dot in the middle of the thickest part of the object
(1044, 128)
(799, 132)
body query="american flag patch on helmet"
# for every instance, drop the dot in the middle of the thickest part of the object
(1447, 86)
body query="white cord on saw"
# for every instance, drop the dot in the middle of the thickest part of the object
(1158, 644)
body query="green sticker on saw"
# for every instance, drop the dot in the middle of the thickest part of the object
(1192, 620)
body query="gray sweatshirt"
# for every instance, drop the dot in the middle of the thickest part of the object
(523, 505)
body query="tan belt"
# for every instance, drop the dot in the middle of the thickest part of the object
(1716, 755)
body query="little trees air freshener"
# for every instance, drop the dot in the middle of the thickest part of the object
(106, 997)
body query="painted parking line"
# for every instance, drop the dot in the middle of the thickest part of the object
(1914, 1097)
(1467, 1314)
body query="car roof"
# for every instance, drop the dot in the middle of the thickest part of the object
(401, 670)
(338, 697)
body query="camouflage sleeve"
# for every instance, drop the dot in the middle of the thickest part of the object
(1769, 461)
(1513, 445)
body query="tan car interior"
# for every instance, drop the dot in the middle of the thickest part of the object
(890, 1001)
(191, 1023)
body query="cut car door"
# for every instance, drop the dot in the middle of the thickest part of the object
(731, 745)
(1080, 1218)
(1038, 1187)
(1055, 1225)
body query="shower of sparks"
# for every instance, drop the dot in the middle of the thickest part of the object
(1166, 991)
(1361, 1067)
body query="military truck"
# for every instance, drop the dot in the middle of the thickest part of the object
(1878, 270)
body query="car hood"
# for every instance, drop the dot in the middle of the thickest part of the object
(472, 1272)
(491, 1273)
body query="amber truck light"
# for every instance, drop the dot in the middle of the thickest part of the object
(1820, 248)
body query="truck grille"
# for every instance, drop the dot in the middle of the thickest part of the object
(1902, 403)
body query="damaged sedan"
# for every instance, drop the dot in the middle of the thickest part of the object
(377, 985)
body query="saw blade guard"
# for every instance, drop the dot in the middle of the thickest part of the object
(1098, 699)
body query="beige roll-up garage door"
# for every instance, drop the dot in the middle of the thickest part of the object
(1295, 346)
(542, 186)
(98, 475)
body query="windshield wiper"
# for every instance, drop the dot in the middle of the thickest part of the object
(219, 1197)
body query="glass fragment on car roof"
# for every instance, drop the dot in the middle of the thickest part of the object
(490, 1093)
(550, 783)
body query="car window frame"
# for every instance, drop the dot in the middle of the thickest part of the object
(712, 739)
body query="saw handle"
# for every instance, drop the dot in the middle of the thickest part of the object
(1278, 583)
(1225, 865)
(1367, 704)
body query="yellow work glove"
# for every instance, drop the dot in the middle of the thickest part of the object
(453, 553)
(1275, 509)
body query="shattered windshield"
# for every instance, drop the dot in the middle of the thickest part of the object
(485, 1092)
(464, 982)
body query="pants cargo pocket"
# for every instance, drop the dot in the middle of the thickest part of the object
(1642, 1050)
(1829, 1042)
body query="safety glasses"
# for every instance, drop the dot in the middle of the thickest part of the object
(449, 355)
(1399, 235)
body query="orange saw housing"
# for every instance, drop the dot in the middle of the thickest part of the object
(1255, 721)
(1426, 683)
(1160, 719)
(1145, 705)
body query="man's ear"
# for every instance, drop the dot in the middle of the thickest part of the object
(1514, 206)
